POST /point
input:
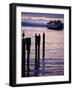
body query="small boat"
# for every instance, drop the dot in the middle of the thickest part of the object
(55, 25)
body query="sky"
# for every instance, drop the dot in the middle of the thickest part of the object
(30, 17)
(47, 15)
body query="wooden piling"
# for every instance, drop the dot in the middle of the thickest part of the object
(43, 54)
(37, 54)
(23, 56)
(28, 44)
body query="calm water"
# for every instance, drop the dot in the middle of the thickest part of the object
(54, 51)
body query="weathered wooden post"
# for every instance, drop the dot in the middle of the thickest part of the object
(28, 44)
(43, 56)
(23, 55)
(38, 48)
(37, 54)
(43, 53)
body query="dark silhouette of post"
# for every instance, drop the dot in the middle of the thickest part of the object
(28, 44)
(23, 55)
(37, 54)
(43, 56)
(38, 48)
(43, 53)
(23, 34)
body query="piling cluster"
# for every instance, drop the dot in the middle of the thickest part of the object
(26, 47)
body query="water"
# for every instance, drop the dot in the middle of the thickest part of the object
(54, 51)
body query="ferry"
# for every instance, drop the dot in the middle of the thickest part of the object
(55, 25)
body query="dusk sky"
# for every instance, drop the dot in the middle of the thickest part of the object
(47, 15)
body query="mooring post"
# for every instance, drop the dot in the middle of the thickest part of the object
(28, 44)
(37, 54)
(43, 46)
(43, 53)
(23, 56)
(38, 46)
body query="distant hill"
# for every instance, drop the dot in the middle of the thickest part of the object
(33, 24)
